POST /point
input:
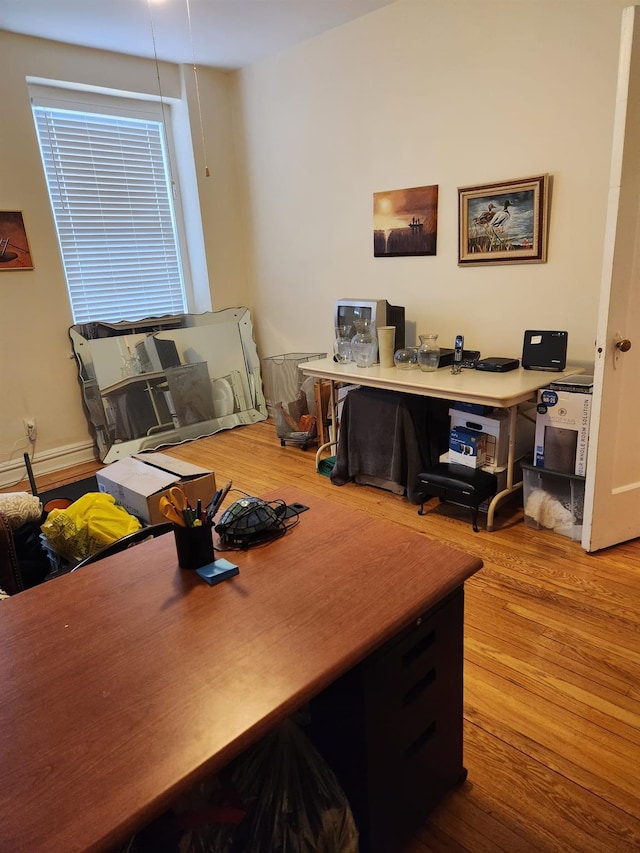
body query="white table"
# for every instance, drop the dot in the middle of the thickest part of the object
(499, 390)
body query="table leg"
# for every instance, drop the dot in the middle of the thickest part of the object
(332, 411)
(153, 402)
(513, 421)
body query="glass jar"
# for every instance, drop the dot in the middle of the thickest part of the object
(342, 345)
(364, 344)
(428, 353)
(406, 358)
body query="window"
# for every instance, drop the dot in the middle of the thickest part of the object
(111, 194)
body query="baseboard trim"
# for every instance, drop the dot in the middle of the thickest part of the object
(14, 471)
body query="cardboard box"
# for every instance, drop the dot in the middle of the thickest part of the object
(467, 447)
(138, 483)
(562, 431)
(496, 428)
(473, 408)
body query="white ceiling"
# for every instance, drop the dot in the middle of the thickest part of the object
(223, 33)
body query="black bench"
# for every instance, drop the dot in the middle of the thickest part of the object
(459, 484)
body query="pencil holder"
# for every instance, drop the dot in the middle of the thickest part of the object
(194, 546)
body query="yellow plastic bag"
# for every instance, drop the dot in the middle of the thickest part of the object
(90, 523)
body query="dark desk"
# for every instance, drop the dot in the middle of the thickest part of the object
(128, 681)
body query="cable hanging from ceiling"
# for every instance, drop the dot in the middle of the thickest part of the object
(195, 78)
(162, 105)
(197, 89)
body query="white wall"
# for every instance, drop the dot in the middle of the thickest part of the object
(38, 377)
(421, 92)
(431, 92)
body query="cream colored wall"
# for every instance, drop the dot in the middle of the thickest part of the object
(38, 378)
(421, 92)
(219, 193)
(431, 92)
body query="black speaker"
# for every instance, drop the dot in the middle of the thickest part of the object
(544, 350)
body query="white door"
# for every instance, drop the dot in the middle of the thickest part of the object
(612, 494)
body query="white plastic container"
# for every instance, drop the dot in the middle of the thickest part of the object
(553, 501)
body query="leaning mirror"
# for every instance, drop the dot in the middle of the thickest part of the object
(164, 380)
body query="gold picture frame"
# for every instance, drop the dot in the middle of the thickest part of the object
(504, 222)
(14, 246)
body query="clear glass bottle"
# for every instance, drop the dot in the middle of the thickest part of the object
(428, 353)
(364, 344)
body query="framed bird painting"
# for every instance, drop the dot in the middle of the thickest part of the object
(504, 222)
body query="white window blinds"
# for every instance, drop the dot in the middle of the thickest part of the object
(111, 197)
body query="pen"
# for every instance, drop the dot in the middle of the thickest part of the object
(223, 495)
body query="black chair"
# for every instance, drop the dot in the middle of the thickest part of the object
(126, 542)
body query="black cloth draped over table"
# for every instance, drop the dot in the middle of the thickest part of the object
(387, 438)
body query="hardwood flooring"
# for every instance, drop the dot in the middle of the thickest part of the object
(552, 664)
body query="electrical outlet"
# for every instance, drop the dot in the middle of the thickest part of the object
(30, 427)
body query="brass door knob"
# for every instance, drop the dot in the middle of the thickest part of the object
(624, 345)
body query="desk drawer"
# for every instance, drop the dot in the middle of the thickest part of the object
(391, 728)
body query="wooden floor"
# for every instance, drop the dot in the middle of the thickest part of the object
(552, 664)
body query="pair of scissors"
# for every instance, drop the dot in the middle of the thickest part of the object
(170, 512)
(182, 505)
(178, 498)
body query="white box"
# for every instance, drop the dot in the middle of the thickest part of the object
(467, 447)
(496, 428)
(138, 483)
(562, 431)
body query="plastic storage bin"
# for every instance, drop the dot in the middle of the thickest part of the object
(59, 564)
(553, 501)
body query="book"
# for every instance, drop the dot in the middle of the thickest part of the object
(580, 384)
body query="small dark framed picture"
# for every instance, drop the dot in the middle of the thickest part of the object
(504, 222)
(14, 247)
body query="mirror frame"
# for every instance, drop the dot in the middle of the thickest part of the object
(110, 367)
